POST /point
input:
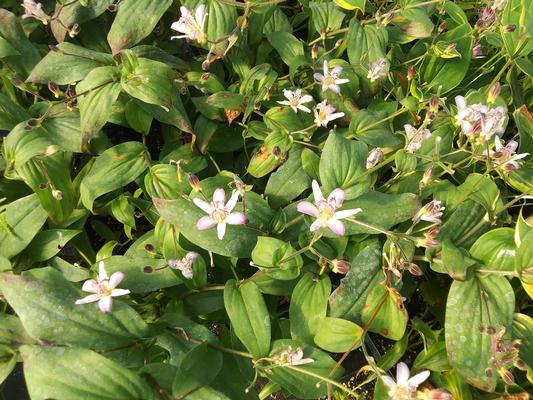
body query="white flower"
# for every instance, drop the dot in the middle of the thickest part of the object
(505, 157)
(325, 210)
(375, 156)
(290, 357)
(415, 137)
(191, 26)
(478, 120)
(498, 5)
(219, 213)
(325, 113)
(295, 100)
(103, 289)
(330, 80)
(431, 212)
(377, 69)
(34, 10)
(185, 264)
(404, 388)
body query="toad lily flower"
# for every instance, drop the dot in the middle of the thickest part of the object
(325, 113)
(103, 289)
(431, 212)
(325, 210)
(478, 120)
(290, 357)
(505, 157)
(330, 80)
(185, 264)
(219, 212)
(404, 388)
(34, 10)
(295, 100)
(415, 137)
(377, 69)
(191, 26)
(374, 158)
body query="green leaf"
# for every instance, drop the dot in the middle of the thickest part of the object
(287, 45)
(520, 14)
(338, 335)
(433, 358)
(351, 4)
(289, 181)
(348, 299)
(298, 383)
(69, 64)
(310, 163)
(522, 328)
(11, 31)
(285, 119)
(524, 122)
(48, 312)
(277, 258)
(8, 361)
(70, 373)
(113, 169)
(455, 260)
(48, 243)
(12, 333)
(342, 164)
(521, 179)
(444, 74)
(249, 317)
(163, 180)
(139, 119)
(76, 13)
(325, 16)
(366, 127)
(226, 100)
(21, 221)
(489, 304)
(101, 90)
(309, 303)
(385, 312)
(264, 160)
(381, 210)
(220, 23)
(147, 80)
(198, 368)
(134, 21)
(496, 249)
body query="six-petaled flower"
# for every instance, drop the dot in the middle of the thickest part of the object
(325, 210)
(34, 10)
(185, 264)
(330, 79)
(431, 212)
(504, 156)
(192, 26)
(219, 212)
(325, 113)
(404, 387)
(296, 100)
(291, 357)
(103, 289)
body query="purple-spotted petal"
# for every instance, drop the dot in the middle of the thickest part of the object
(102, 274)
(347, 213)
(105, 304)
(115, 279)
(219, 196)
(336, 71)
(317, 193)
(119, 292)
(232, 201)
(402, 373)
(316, 225)
(205, 222)
(88, 299)
(236, 218)
(318, 76)
(336, 226)
(334, 88)
(221, 230)
(338, 196)
(90, 286)
(203, 205)
(307, 208)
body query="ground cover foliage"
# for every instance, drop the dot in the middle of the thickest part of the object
(267, 199)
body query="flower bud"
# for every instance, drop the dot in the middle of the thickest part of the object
(323, 33)
(410, 72)
(314, 52)
(57, 194)
(507, 376)
(494, 92)
(205, 65)
(204, 77)
(340, 266)
(414, 269)
(74, 30)
(434, 103)
(426, 178)
(509, 28)
(54, 89)
(477, 51)
(442, 27)
(374, 158)
(194, 182)
(338, 43)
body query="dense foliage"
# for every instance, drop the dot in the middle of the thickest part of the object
(239, 200)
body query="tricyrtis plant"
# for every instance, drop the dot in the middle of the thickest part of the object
(219, 199)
